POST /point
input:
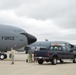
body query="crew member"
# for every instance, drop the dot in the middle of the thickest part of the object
(12, 55)
(35, 60)
(29, 55)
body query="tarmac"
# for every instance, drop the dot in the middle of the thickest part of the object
(22, 68)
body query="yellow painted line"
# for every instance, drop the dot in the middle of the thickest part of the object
(6, 59)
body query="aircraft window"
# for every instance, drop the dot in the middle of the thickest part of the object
(17, 31)
(24, 34)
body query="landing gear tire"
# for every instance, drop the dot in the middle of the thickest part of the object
(54, 61)
(2, 56)
(5, 56)
(74, 60)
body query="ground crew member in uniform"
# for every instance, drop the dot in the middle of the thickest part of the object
(12, 55)
(29, 55)
(35, 60)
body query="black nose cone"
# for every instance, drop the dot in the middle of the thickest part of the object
(31, 39)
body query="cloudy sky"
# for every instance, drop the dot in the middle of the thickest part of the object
(45, 19)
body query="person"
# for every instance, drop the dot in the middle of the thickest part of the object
(29, 55)
(12, 55)
(35, 49)
(35, 60)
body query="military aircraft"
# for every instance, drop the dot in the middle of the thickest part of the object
(13, 37)
(38, 45)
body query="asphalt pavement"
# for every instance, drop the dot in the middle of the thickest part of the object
(22, 68)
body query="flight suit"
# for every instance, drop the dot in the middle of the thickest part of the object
(29, 56)
(12, 56)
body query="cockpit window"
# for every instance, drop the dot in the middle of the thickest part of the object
(24, 34)
(19, 31)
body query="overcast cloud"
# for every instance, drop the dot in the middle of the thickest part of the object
(45, 19)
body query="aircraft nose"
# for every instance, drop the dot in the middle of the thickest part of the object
(31, 39)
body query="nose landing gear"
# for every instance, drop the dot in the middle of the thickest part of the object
(3, 56)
